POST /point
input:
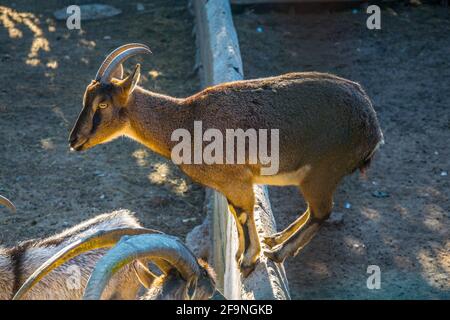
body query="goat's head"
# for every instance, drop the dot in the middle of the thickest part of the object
(183, 276)
(5, 202)
(173, 286)
(103, 117)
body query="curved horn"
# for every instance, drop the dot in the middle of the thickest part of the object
(100, 239)
(4, 201)
(115, 59)
(113, 54)
(145, 246)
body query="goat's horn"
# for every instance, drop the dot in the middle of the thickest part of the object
(113, 54)
(4, 201)
(115, 59)
(98, 240)
(145, 246)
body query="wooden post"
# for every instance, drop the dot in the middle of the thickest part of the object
(220, 61)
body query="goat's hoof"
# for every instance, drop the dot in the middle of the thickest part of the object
(275, 255)
(239, 258)
(270, 241)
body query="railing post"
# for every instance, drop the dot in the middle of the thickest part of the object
(220, 61)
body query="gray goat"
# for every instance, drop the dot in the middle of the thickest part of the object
(182, 275)
(68, 281)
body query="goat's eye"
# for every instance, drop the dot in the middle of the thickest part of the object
(102, 105)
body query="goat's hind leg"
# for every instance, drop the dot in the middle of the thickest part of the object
(318, 193)
(294, 244)
(280, 237)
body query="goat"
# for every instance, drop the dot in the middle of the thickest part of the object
(67, 282)
(183, 276)
(327, 129)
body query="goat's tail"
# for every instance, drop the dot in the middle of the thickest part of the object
(364, 166)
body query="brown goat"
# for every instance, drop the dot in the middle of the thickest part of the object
(327, 129)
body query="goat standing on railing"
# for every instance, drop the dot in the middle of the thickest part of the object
(327, 130)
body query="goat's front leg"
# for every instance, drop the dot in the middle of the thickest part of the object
(241, 235)
(251, 241)
(242, 200)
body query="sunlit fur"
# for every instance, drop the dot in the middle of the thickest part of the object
(19, 262)
(102, 125)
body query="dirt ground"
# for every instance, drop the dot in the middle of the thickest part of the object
(398, 218)
(404, 68)
(44, 71)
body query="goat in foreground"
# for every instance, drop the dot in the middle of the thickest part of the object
(19, 262)
(327, 129)
(183, 278)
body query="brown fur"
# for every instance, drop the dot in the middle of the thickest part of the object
(328, 128)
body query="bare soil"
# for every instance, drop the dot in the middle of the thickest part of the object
(404, 68)
(397, 218)
(44, 71)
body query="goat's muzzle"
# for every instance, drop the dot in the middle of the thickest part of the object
(76, 143)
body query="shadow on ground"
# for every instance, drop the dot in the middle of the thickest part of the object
(45, 69)
(404, 67)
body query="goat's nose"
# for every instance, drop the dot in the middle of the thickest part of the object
(76, 142)
(72, 139)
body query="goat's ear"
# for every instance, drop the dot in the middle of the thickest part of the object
(191, 287)
(118, 73)
(145, 276)
(129, 83)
